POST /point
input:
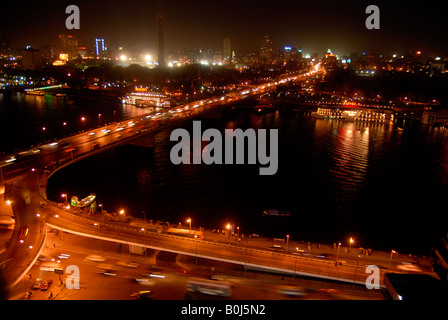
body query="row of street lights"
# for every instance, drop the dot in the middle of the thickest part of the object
(83, 120)
(229, 226)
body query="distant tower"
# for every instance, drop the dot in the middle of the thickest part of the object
(160, 35)
(266, 50)
(100, 48)
(227, 53)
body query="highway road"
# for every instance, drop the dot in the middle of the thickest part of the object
(175, 270)
(238, 254)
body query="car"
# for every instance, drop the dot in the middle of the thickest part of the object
(292, 291)
(144, 279)
(326, 256)
(46, 285)
(42, 258)
(22, 235)
(128, 264)
(156, 274)
(108, 269)
(96, 258)
(107, 272)
(37, 284)
(49, 266)
(143, 294)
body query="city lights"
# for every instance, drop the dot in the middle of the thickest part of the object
(303, 142)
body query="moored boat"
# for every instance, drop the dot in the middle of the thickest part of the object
(275, 212)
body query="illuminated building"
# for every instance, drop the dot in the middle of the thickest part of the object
(435, 118)
(329, 60)
(266, 50)
(100, 47)
(354, 114)
(68, 44)
(31, 58)
(227, 53)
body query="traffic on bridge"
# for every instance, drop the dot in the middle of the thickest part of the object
(30, 171)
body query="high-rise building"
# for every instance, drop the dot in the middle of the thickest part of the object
(227, 53)
(31, 58)
(68, 45)
(160, 35)
(100, 47)
(266, 50)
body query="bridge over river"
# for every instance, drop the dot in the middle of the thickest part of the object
(25, 182)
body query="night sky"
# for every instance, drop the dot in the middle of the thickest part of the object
(312, 25)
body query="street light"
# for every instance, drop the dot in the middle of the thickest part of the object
(228, 230)
(82, 122)
(189, 221)
(64, 195)
(350, 244)
(337, 255)
(98, 225)
(287, 242)
(196, 240)
(64, 124)
(99, 119)
(102, 215)
(43, 132)
(391, 255)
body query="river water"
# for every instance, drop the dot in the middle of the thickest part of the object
(386, 188)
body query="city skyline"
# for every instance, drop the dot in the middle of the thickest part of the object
(339, 26)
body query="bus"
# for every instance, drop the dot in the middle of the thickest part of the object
(210, 287)
(186, 233)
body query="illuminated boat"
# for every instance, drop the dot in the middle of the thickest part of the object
(36, 93)
(275, 212)
(87, 201)
(146, 100)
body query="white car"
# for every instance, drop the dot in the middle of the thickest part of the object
(96, 258)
